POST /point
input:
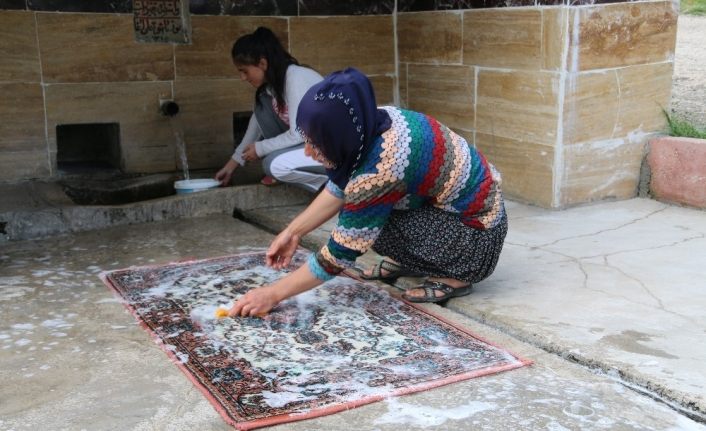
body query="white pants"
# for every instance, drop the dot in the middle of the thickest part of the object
(291, 165)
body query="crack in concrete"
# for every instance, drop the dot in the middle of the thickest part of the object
(660, 304)
(637, 280)
(581, 267)
(604, 230)
(579, 263)
(672, 244)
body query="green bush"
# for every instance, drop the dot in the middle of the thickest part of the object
(694, 7)
(682, 128)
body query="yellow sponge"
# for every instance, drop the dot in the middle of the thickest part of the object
(222, 312)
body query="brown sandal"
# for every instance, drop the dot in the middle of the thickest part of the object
(394, 271)
(430, 289)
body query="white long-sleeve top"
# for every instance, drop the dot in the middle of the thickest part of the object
(297, 81)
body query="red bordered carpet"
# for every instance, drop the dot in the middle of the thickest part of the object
(339, 346)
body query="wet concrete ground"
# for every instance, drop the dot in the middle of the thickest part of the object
(601, 298)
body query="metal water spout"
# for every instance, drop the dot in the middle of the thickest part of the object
(168, 108)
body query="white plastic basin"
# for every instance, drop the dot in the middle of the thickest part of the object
(195, 185)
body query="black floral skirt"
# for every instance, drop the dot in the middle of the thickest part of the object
(435, 243)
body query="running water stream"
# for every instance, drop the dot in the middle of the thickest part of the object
(180, 143)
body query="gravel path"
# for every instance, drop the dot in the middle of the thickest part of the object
(689, 82)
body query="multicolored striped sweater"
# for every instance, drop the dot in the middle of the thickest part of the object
(418, 161)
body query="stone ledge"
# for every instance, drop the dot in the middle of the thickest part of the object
(678, 170)
(49, 219)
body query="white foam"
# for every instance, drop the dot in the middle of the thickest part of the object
(13, 281)
(23, 326)
(281, 399)
(23, 342)
(8, 293)
(174, 334)
(183, 357)
(56, 323)
(686, 424)
(207, 313)
(427, 416)
(556, 426)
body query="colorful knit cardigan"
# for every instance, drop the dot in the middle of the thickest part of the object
(418, 161)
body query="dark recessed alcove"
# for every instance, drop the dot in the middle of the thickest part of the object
(252, 172)
(240, 125)
(88, 147)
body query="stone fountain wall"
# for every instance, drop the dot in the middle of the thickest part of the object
(561, 97)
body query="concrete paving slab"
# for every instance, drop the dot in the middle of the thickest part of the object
(616, 286)
(620, 286)
(73, 358)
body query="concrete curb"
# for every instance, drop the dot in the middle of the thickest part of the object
(48, 221)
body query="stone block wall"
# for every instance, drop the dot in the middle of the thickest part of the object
(78, 68)
(560, 97)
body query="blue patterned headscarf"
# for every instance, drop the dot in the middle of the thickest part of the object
(340, 118)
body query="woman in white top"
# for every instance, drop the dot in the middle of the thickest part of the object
(271, 134)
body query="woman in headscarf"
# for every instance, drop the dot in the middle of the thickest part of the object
(402, 184)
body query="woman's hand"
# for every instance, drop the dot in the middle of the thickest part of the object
(224, 175)
(259, 301)
(249, 153)
(256, 302)
(280, 253)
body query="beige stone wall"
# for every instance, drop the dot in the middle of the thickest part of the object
(620, 61)
(336, 42)
(493, 76)
(560, 99)
(23, 149)
(66, 68)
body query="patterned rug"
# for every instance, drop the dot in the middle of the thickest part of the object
(333, 348)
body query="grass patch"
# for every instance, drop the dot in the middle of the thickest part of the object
(694, 7)
(683, 128)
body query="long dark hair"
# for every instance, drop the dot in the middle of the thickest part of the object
(262, 43)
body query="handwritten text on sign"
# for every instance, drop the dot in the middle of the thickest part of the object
(161, 20)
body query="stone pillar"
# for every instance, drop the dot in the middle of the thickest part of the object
(559, 98)
(617, 81)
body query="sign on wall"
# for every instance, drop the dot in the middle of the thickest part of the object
(162, 21)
